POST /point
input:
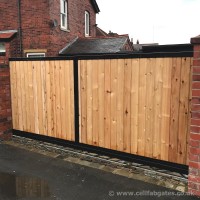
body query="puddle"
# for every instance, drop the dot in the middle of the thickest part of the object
(22, 187)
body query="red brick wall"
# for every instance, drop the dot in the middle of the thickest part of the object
(76, 21)
(5, 105)
(35, 24)
(37, 18)
(9, 21)
(8, 10)
(194, 143)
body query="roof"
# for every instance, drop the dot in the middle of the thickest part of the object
(168, 48)
(95, 5)
(95, 45)
(139, 47)
(100, 32)
(7, 35)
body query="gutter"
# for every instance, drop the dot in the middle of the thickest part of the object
(20, 28)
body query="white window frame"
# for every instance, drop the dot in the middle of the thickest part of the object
(63, 13)
(2, 48)
(87, 23)
(35, 55)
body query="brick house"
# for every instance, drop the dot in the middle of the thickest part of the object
(44, 27)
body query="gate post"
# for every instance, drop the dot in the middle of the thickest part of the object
(5, 103)
(194, 138)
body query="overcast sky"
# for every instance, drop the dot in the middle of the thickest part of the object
(160, 21)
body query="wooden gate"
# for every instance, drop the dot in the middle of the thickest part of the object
(136, 105)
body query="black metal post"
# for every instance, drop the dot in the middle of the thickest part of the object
(76, 100)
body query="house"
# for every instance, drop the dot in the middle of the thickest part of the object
(45, 27)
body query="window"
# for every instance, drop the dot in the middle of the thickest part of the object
(35, 55)
(2, 48)
(87, 23)
(63, 14)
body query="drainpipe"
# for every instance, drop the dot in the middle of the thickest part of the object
(20, 28)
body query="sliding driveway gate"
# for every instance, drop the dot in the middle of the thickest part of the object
(136, 104)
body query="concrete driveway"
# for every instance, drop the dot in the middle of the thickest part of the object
(29, 176)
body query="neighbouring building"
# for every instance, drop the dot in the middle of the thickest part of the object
(46, 27)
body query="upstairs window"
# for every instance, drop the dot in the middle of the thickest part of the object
(2, 48)
(87, 23)
(63, 14)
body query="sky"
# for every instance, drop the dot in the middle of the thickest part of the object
(151, 21)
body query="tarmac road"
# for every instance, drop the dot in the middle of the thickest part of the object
(26, 175)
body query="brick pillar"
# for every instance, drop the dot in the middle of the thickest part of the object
(194, 138)
(5, 103)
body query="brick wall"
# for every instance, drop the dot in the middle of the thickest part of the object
(37, 18)
(8, 10)
(5, 105)
(76, 21)
(35, 24)
(194, 142)
(9, 21)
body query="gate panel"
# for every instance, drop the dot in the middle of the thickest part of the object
(138, 106)
(43, 97)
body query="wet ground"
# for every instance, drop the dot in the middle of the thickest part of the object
(28, 175)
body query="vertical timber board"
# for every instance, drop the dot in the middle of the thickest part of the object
(72, 110)
(67, 101)
(142, 106)
(31, 96)
(48, 99)
(189, 108)
(149, 107)
(83, 100)
(166, 102)
(19, 95)
(158, 85)
(134, 105)
(57, 99)
(127, 105)
(95, 103)
(174, 118)
(107, 102)
(23, 95)
(69, 96)
(89, 103)
(80, 101)
(35, 101)
(14, 96)
(113, 109)
(183, 111)
(52, 99)
(44, 95)
(101, 94)
(26, 98)
(39, 97)
(62, 101)
(120, 97)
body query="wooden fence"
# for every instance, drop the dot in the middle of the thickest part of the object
(138, 105)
